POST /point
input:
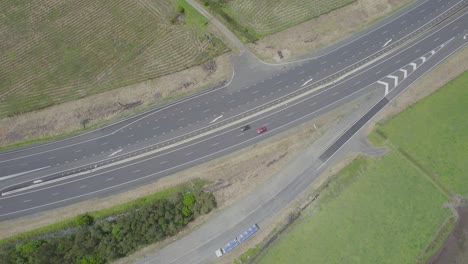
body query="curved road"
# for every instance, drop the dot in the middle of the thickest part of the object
(205, 126)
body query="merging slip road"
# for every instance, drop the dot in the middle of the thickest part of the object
(207, 125)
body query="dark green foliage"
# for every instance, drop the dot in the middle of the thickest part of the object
(98, 242)
(84, 219)
(181, 9)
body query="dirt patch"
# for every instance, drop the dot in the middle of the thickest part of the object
(112, 105)
(455, 248)
(324, 30)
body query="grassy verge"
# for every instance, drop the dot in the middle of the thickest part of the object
(366, 215)
(69, 223)
(434, 132)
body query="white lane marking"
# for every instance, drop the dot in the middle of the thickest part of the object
(21, 173)
(51, 158)
(181, 119)
(76, 151)
(110, 179)
(454, 28)
(323, 62)
(190, 153)
(163, 162)
(405, 73)
(344, 52)
(154, 128)
(384, 32)
(308, 81)
(26, 201)
(402, 22)
(422, 11)
(84, 186)
(433, 52)
(418, 50)
(113, 153)
(55, 194)
(288, 115)
(37, 181)
(423, 59)
(386, 43)
(279, 82)
(214, 153)
(105, 143)
(241, 134)
(328, 89)
(230, 101)
(207, 110)
(378, 72)
(365, 42)
(129, 136)
(335, 93)
(357, 83)
(301, 72)
(214, 144)
(465, 37)
(436, 39)
(254, 92)
(135, 171)
(214, 120)
(414, 65)
(395, 79)
(386, 86)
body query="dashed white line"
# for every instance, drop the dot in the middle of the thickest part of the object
(207, 110)
(214, 120)
(308, 81)
(163, 162)
(105, 143)
(76, 151)
(181, 119)
(135, 171)
(55, 194)
(110, 179)
(51, 158)
(288, 115)
(27, 201)
(113, 153)
(301, 72)
(323, 62)
(214, 144)
(190, 153)
(84, 186)
(154, 128)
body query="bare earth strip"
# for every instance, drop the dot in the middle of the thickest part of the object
(105, 107)
(324, 30)
(232, 176)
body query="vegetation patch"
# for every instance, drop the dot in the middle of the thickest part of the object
(434, 132)
(253, 19)
(56, 51)
(375, 211)
(100, 237)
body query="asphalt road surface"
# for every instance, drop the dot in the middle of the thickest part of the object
(205, 126)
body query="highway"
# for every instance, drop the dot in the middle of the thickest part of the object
(206, 126)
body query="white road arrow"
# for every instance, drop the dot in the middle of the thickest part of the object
(386, 86)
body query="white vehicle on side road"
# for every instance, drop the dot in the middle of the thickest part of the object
(234, 243)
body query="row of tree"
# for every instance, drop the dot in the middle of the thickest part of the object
(97, 242)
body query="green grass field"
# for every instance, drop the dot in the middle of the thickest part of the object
(56, 51)
(435, 133)
(256, 18)
(376, 211)
(390, 209)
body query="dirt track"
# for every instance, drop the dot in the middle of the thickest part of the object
(455, 248)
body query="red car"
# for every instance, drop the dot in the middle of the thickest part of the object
(261, 130)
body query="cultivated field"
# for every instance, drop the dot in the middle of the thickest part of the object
(258, 18)
(434, 132)
(56, 51)
(376, 211)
